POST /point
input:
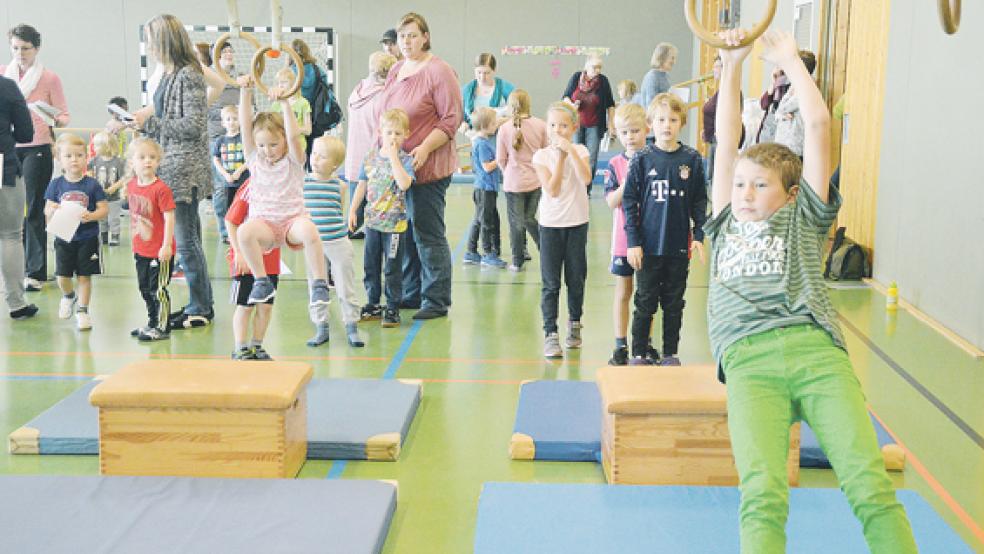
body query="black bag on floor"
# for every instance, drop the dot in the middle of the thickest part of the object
(847, 260)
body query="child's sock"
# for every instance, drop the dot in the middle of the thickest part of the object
(255, 343)
(241, 345)
(621, 342)
(320, 335)
(352, 333)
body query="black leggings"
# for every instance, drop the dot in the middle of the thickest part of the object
(36, 166)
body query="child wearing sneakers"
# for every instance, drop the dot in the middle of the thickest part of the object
(564, 171)
(79, 257)
(324, 196)
(665, 206)
(109, 168)
(487, 178)
(152, 233)
(386, 175)
(275, 158)
(242, 283)
(772, 327)
(631, 127)
(229, 162)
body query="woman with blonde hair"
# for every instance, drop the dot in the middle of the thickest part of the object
(657, 79)
(176, 119)
(591, 93)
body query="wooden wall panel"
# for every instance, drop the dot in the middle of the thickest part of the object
(865, 89)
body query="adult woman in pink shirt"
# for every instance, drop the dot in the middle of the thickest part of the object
(41, 88)
(426, 88)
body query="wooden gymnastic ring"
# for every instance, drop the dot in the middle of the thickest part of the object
(217, 52)
(259, 64)
(711, 39)
(949, 15)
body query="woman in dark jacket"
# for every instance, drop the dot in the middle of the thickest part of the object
(591, 92)
(15, 126)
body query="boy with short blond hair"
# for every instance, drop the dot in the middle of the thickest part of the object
(665, 206)
(488, 179)
(230, 163)
(324, 198)
(386, 175)
(772, 327)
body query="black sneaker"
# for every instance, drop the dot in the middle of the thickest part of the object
(371, 312)
(136, 332)
(391, 317)
(152, 334)
(620, 356)
(260, 354)
(429, 313)
(244, 353)
(26, 312)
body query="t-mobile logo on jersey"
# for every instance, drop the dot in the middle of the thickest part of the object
(659, 189)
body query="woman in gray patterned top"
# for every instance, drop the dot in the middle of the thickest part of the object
(177, 120)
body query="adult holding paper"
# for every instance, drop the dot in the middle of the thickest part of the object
(486, 90)
(177, 120)
(41, 87)
(15, 126)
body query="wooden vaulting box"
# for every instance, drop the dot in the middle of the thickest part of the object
(669, 426)
(203, 418)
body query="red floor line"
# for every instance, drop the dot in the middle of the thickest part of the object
(934, 484)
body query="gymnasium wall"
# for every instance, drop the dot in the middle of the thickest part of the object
(93, 44)
(930, 219)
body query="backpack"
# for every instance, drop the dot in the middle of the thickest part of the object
(847, 260)
(325, 111)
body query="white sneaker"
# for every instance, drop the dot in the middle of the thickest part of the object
(84, 321)
(66, 306)
(551, 347)
(32, 285)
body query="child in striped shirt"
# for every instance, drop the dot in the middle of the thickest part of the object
(323, 200)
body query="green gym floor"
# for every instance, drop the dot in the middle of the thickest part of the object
(926, 390)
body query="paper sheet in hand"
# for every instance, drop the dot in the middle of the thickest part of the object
(45, 111)
(66, 219)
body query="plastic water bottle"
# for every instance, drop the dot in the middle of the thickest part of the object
(892, 300)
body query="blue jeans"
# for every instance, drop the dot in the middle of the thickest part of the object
(219, 202)
(188, 235)
(590, 137)
(425, 204)
(411, 269)
(379, 252)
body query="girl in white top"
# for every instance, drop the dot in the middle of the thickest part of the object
(564, 171)
(276, 197)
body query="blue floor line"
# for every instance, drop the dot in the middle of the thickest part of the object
(47, 377)
(338, 466)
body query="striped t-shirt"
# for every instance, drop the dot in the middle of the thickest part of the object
(323, 201)
(767, 274)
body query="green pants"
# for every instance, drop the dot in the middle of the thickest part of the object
(778, 377)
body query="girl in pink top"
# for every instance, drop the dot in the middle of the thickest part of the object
(518, 139)
(276, 196)
(631, 127)
(41, 88)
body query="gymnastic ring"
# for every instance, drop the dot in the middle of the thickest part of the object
(950, 15)
(259, 64)
(712, 40)
(217, 53)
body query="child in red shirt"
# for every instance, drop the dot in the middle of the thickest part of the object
(152, 229)
(242, 284)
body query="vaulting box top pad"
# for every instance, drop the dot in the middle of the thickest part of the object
(662, 390)
(203, 384)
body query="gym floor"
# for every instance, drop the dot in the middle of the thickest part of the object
(924, 388)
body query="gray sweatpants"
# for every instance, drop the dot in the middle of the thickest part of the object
(339, 256)
(12, 243)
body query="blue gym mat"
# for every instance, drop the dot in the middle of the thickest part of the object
(557, 420)
(348, 419)
(560, 421)
(57, 514)
(569, 519)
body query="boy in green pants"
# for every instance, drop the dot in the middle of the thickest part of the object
(772, 327)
